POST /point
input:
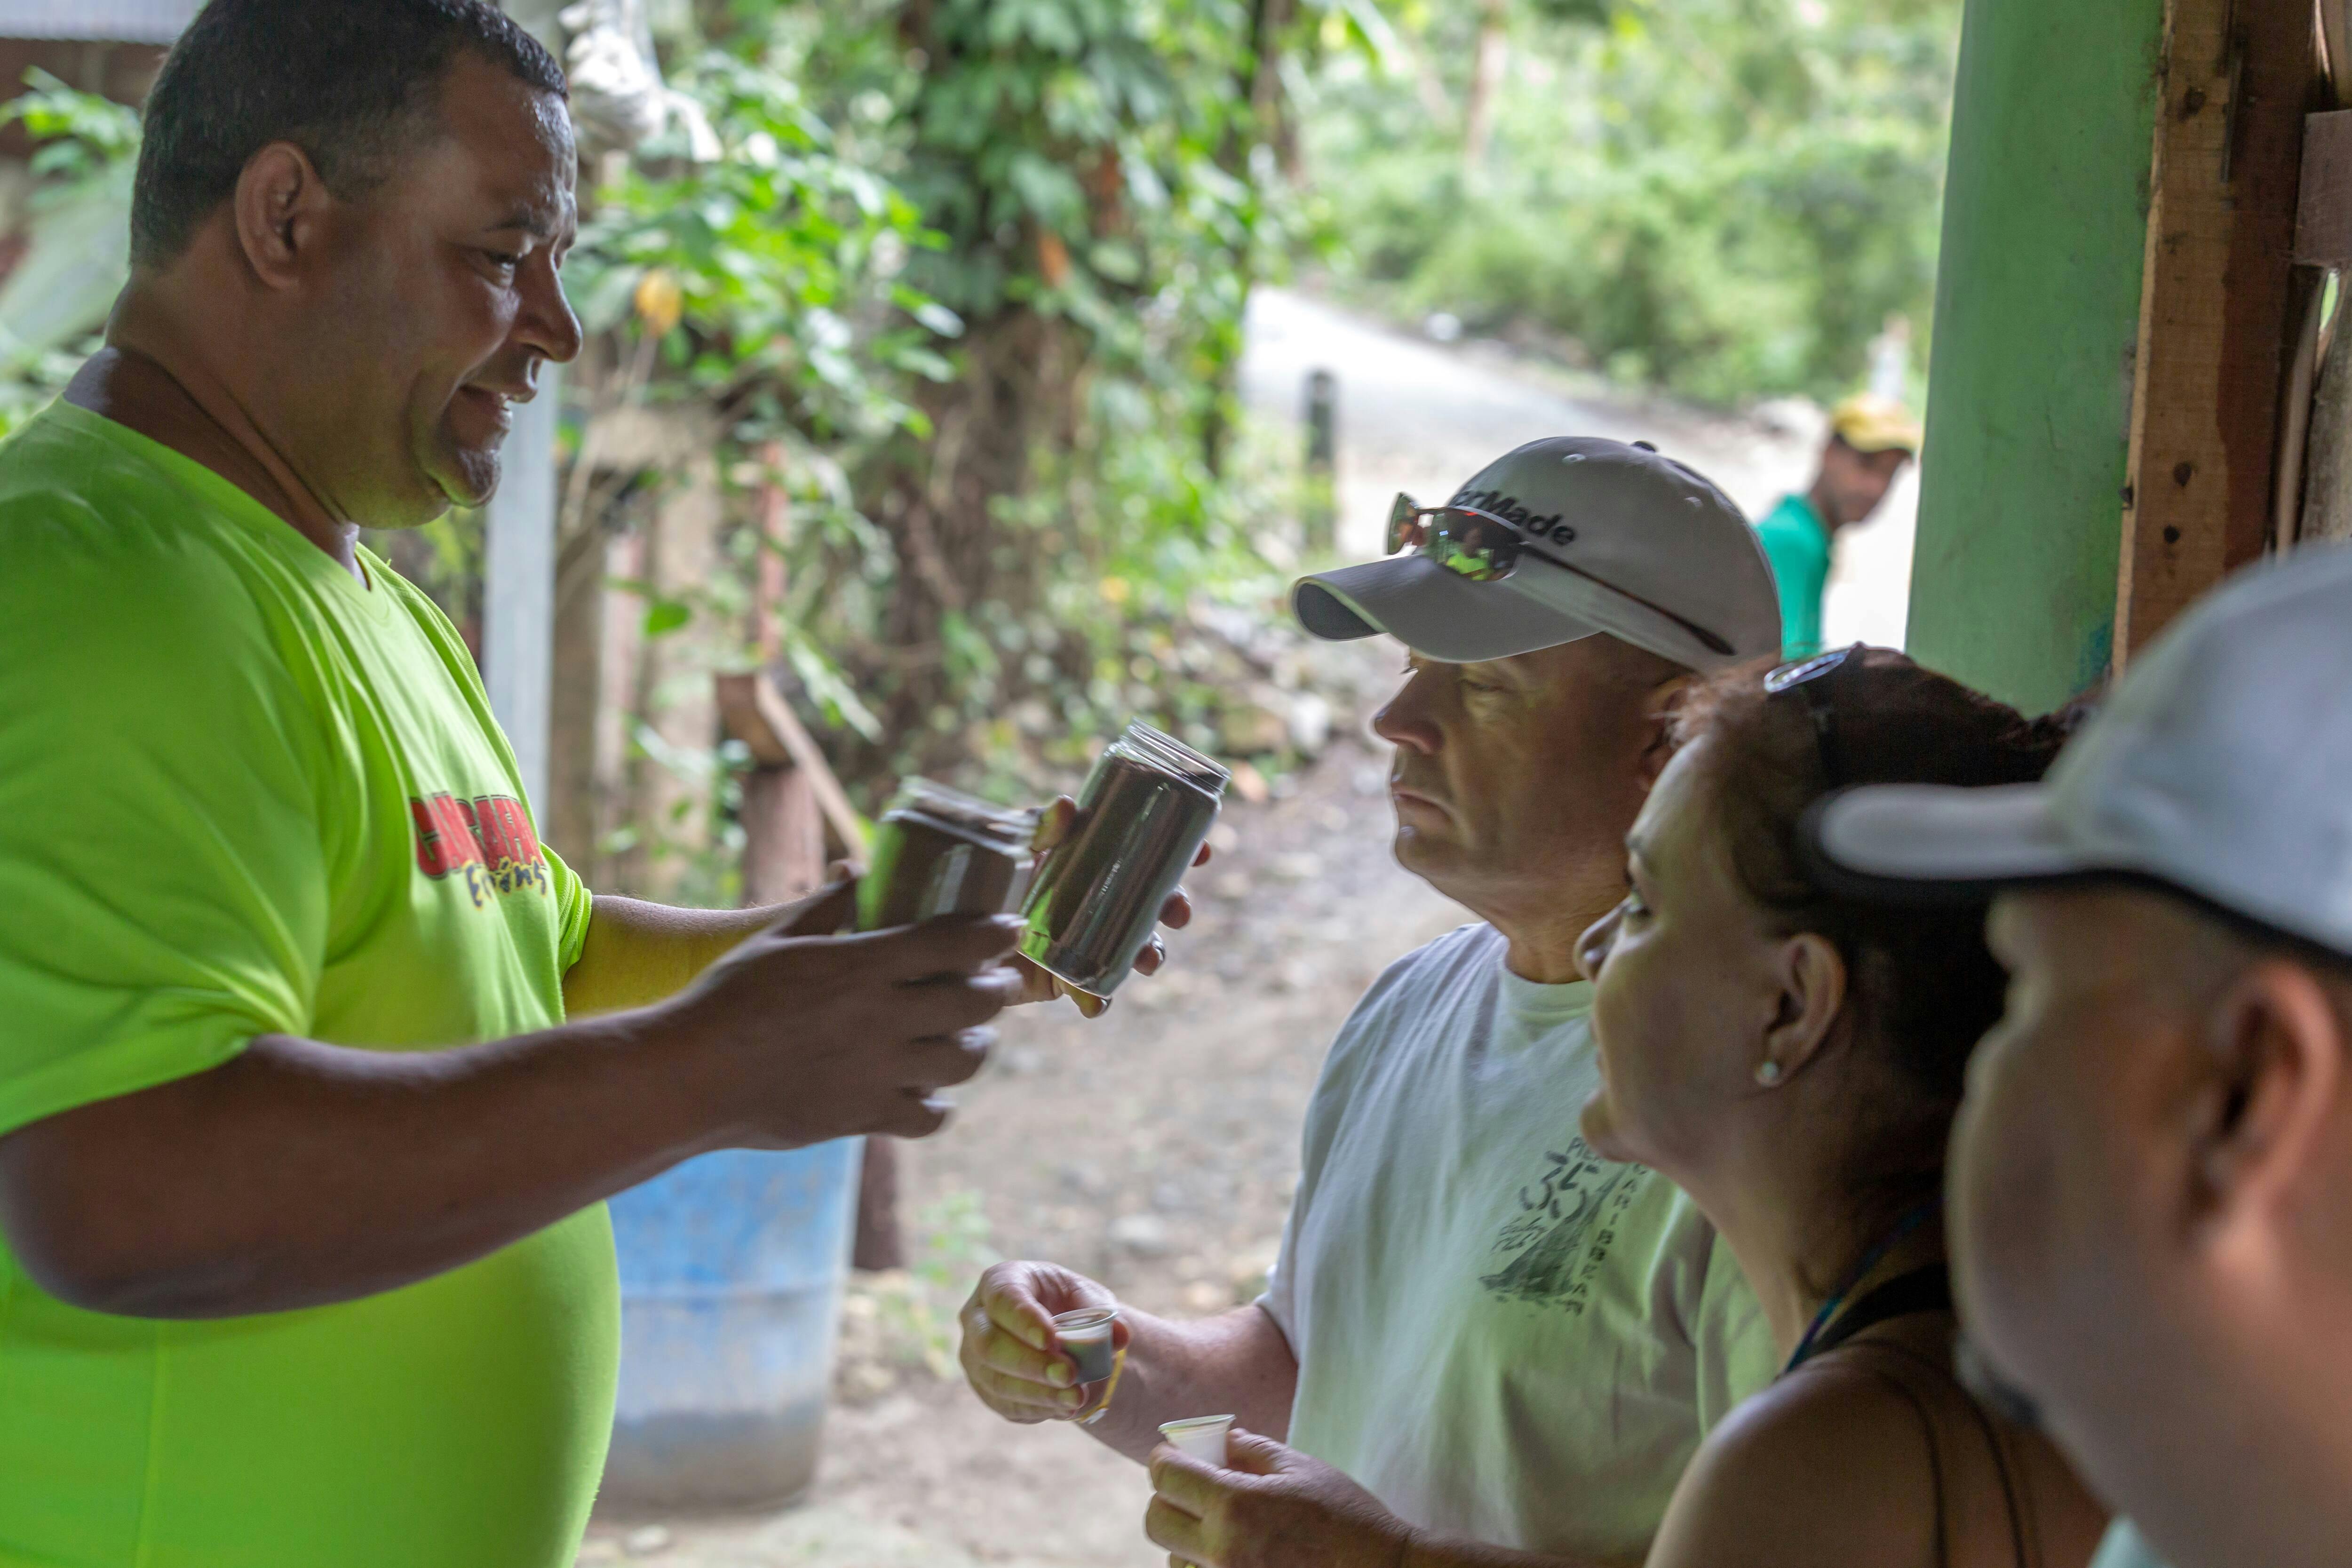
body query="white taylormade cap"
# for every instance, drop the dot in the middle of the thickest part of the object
(1637, 526)
(2222, 767)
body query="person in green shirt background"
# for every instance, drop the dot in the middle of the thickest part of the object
(1871, 438)
(315, 1064)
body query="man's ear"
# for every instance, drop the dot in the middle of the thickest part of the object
(2259, 1115)
(1659, 707)
(1813, 989)
(278, 211)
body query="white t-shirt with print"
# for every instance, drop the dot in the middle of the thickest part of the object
(1499, 1334)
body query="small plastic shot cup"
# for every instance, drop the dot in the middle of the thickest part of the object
(1202, 1437)
(1085, 1335)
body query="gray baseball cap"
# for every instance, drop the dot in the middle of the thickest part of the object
(1652, 550)
(2222, 767)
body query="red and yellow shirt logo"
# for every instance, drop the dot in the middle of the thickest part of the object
(487, 841)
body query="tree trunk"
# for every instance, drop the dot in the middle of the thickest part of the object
(1271, 109)
(1019, 391)
(1260, 83)
(1485, 80)
(1015, 390)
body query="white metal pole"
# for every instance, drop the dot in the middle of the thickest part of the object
(519, 587)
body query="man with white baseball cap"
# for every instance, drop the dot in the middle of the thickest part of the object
(2151, 1181)
(1559, 539)
(1500, 1335)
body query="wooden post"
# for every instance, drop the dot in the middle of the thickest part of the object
(2238, 77)
(580, 775)
(756, 713)
(783, 837)
(880, 1241)
(775, 516)
(1321, 505)
(783, 825)
(789, 800)
(670, 707)
(2328, 491)
(2324, 244)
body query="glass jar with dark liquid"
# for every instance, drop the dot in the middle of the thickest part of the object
(938, 851)
(1144, 813)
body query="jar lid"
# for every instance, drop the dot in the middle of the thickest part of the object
(1158, 748)
(920, 796)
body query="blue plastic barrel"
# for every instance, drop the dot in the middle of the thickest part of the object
(731, 1274)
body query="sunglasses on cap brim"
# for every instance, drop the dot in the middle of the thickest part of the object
(1486, 548)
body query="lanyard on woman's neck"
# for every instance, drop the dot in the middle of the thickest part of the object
(1870, 1260)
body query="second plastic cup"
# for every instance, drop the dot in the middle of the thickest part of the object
(1085, 1335)
(1202, 1437)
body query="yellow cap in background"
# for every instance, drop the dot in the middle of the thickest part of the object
(1869, 423)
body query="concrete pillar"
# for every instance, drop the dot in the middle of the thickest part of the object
(2037, 316)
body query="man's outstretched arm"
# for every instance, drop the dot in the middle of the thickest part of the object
(298, 1173)
(638, 952)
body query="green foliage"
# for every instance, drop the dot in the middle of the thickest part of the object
(78, 134)
(31, 381)
(1088, 167)
(915, 1312)
(1724, 198)
(57, 294)
(782, 252)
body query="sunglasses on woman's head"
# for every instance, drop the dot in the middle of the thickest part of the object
(1810, 678)
(1486, 548)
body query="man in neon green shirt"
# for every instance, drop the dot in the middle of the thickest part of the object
(1871, 438)
(305, 1262)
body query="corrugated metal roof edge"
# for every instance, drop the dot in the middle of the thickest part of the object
(109, 36)
(97, 21)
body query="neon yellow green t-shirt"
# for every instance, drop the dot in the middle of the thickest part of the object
(243, 793)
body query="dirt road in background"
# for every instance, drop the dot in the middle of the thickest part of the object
(1422, 416)
(1156, 1147)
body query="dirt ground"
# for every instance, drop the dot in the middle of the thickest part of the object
(1156, 1147)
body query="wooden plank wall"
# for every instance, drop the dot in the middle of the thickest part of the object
(2237, 80)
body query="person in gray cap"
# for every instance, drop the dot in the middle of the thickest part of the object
(2151, 1234)
(1500, 1334)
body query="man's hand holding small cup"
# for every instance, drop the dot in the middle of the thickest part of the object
(1009, 1354)
(1272, 1507)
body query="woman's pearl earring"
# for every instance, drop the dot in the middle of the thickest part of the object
(1767, 1072)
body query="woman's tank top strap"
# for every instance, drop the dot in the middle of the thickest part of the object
(1971, 1469)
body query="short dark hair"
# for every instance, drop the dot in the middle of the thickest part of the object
(346, 80)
